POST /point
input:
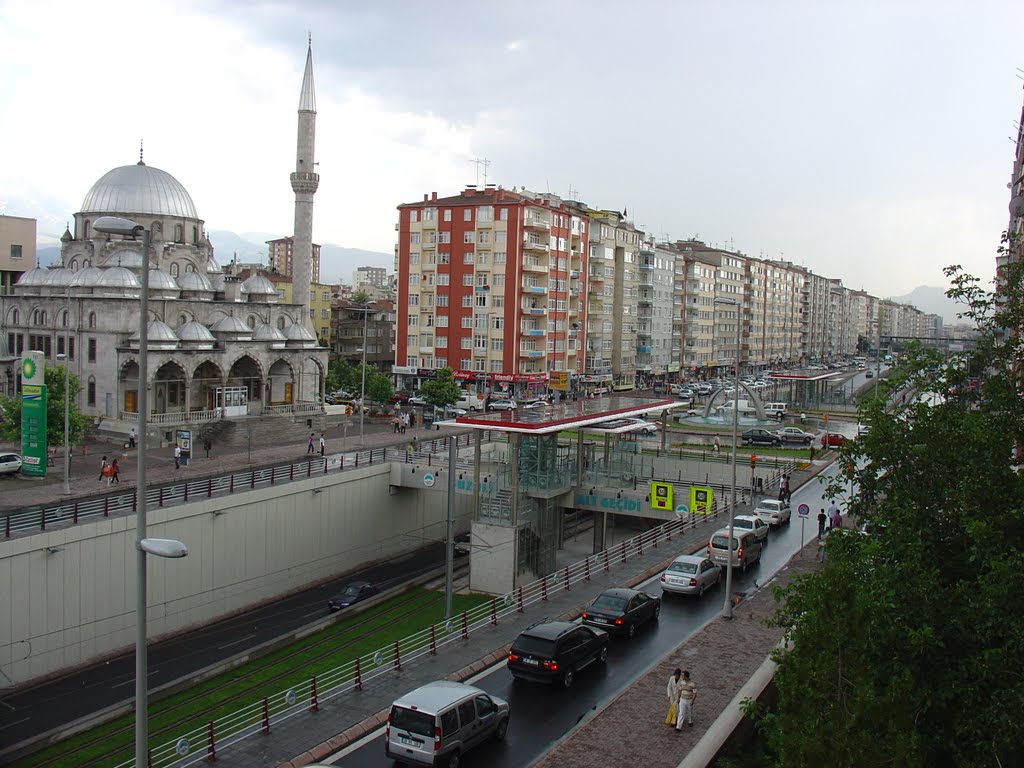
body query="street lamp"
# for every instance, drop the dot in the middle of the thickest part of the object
(365, 309)
(67, 385)
(727, 608)
(115, 225)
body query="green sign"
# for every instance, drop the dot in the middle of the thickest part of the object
(33, 414)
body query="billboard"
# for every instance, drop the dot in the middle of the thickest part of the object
(33, 414)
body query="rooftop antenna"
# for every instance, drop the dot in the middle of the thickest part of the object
(572, 192)
(481, 162)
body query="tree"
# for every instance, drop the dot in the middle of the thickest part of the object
(10, 425)
(907, 646)
(441, 391)
(378, 385)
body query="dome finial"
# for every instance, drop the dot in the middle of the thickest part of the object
(140, 153)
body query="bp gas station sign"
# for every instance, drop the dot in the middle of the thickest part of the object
(33, 414)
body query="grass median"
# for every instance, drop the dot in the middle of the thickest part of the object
(360, 635)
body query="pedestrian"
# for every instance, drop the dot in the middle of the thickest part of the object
(821, 549)
(309, 444)
(404, 424)
(131, 437)
(822, 518)
(835, 520)
(323, 444)
(395, 424)
(103, 467)
(177, 456)
(672, 689)
(412, 418)
(414, 443)
(115, 470)
(687, 698)
(718, 444)
(782, 487)
(787, 489)
(207, 445)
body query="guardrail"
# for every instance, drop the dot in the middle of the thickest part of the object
(262, 715)
(73, 511)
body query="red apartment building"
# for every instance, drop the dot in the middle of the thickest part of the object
(490, 284)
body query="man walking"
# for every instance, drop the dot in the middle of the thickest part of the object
(835, 520)
(177, 456)
(103, 469)
(687, 697)
(821, 522)
(131, 437)
(718, 444)
(323, 444)
(309, 444)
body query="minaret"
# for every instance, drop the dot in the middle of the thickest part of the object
(304, 184)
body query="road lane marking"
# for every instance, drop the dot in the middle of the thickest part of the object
(23, 720)
(236, 642)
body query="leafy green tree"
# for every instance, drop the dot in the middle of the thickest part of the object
(441, 391)
(378, 385)
(10, 425)
(907, 646)
(341, 375)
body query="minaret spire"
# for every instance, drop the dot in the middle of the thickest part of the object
(304, 183)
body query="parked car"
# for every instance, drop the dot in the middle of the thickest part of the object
(645, 427)
(452, 411)
(751, 523)
(535, 404)
(832, 440)
(869, 375)
(622, 610)
(353, 593)
(10, 463)
(554, 651)
(760, 436)
(400, 397)
(690, 575)
(746, 549)
(773, 511)
(417, 400)
(438, 722)
(502, 405)
(794, 435)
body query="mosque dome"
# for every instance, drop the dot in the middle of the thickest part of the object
(87, 277)
(231, 325)
(217, 281)
(195, 281)
(265, 332)
(124, 257)
(258, 285)
(60, 277)
(299, 335)
(194, 331)
(161, 281)
(37, 276)
(118, 277)
(139, 189)
(158, 336)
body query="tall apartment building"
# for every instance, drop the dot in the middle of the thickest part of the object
(489, 284)
(655, 301)
(774, 293)
(279, 256)
(17, 249)
(375, 276)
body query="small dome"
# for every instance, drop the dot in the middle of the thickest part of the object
(265, 332)
(124, 257)
(217, 281)
(258, 285)
(37, 276)
(195, 281)
(87, 277)
(60, 277)
(194, 331)
(66, 237)
(118, 277)
(230, 324)
(161, 281)
(158, 336)
(299, 335)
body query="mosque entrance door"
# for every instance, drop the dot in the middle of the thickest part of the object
(130, 401)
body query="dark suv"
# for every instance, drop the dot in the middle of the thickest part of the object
(760, 437)
(554, 651)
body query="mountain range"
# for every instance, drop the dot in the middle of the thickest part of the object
(933, 301)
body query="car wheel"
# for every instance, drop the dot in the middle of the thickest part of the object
(631, 630)
(657, 612)
(603, 655)
(501, 730)
(454, 759)
(807, 441)
(567, 679)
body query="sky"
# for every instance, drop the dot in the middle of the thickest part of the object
(868, 141)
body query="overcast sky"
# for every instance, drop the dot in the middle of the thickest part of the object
(869, 143)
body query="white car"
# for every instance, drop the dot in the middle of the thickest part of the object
(773, 511)
(690, 575)
(10, 463)
(502, 405)
(644, 427)
(751, 523)
(535, 404)
(418, 400)
(452, 412)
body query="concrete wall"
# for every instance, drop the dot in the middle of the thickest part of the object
(492, 565)
(72, 606)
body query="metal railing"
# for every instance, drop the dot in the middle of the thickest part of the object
(262, 715)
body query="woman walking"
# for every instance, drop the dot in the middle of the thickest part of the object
(673, 690)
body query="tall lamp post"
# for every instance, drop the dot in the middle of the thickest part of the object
(115, 225)
(727, 608)
(67, 393)
(362, 389)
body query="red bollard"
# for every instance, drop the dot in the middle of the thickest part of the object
(544, 589)
(567, 578)
(231, 483)
(494, 612)
(586, 564)
(291, 471)
(623, 552)
(433, 641)
(211, 747)
(314, 699)
(266, 715)
(606, 564)
(160, 500)
(209, 488)
(465, 627)
(520, 600)
(359, 676)
(398, 659)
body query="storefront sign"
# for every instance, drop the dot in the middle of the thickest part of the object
(701, 500)
(661, 495)
(33, 414)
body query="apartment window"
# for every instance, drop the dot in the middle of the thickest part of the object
(414, 320)
(91, 355)
(442, 321)
(465, 363)
(443, 258)
(412, 361)
(484, 237)
(467, 322)
(442, 362)
(481, 301)
(503, 214)
(499, 257)
(497, 345)
(467, 237)
(15, 251)
(444, 237)
(480, 342)
(442, 342)
(483, 257)
(414, 279)
(414, 216)
(325, 296)
(442, 300)
(325, 314)
(414, 258)
(467, 257)
(485, 213)
(467, 214)
(414, 300)
(429, 214)
(414, 238)
(465, 343)
(414, 340)
(467, 279)
(90, 397)
(428, 320)
(447, 214)
(467, 301)
(500, 237)
(499, 280)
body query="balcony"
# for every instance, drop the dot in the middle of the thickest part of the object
(534, 245)
(643, 348)
(574, 274)
(537, 289)
(536, 222)
(532, 353)
(534, 332)
(533, 309)
(531, 266)
(646, 264)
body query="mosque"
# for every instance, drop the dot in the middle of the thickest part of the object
(218, 347)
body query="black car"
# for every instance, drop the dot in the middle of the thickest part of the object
(622, 610)
(760, 437)
(554, 651)
(352, 594)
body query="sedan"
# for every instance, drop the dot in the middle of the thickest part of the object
(502, 405)
(760, 437)
(417, 400)
(645, 427)
(10, 463)
(794, 435)
(453, 412)
(622, 610)
(535, 404)
(773, 511)
(690, 575)
(399, 397)
(751, 523)
(353, 593)
(832, 440)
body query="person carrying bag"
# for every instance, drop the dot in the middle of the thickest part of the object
(673, 691)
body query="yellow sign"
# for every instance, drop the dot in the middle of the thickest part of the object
(701, 500)
(661, 495)
(559, 380)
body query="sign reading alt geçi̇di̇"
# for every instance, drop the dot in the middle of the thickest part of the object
(33, 414)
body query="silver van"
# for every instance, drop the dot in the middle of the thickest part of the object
(746, 549)
(439, 722)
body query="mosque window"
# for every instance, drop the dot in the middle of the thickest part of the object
(73, 265)
(85, 229)
(92, 319)
(190, 267)
(15, 317)
(154, 230)
(91, 390)
(252, 321)
(178, 233)
(35, 317)
(64, 319)
(182, 320)
(280, 323)
(85, 263)
(174, 269)
(195, 235)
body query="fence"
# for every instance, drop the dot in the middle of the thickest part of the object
(262, 715)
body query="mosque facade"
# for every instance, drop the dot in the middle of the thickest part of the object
(218, 346)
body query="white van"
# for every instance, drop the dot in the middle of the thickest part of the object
(470, 402)
(439, 722)
(746, 549)
(745, 407)
(775, 409)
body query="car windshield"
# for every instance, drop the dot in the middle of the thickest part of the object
(683, 567)
(770, 506)
(722, 542)
(412, 721)
(350, 591)
(737, 523)
(609, 603)
(534, 646)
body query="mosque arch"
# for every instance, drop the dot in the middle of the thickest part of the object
(207, 378)
(280, 386)
(247, 372)
(170, 387)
